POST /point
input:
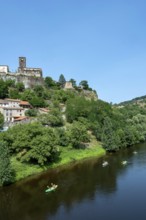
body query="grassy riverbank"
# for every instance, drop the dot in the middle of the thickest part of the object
(68, 155)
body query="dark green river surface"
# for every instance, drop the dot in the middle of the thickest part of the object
(86, 190)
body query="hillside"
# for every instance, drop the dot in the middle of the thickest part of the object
(74, 124)
(138, 100)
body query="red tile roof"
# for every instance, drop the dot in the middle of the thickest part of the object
(24, 103)
(21, 118)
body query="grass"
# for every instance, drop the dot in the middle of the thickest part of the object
(68, 155)
(23, 170)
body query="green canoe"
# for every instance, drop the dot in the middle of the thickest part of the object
(52, 188)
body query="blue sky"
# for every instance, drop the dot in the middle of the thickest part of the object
(101, 41)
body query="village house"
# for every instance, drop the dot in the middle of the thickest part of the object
(13, 109)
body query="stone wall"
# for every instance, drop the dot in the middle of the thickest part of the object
(28, 81)
(28, 76)
(30, 71)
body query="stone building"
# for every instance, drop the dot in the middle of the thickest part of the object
(29, 76)
(68, 85)
(22, 69)
(4, 69)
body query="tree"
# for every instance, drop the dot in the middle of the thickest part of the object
(53, 118)
(84, 84)
(32, 143)
(77, 107)
(6, 172)
(1, 120)
(78, 134)
(110, 139)
(37, 102)
(31, 112)
(39, 90)
(10, 83)
(73, 82)
(43, 149)
(14, 93)
(3, 89)
(63, 137)
(20, 86)
(62, 80)
(27, 95)
(49, 82)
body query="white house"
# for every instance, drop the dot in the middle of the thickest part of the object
(13, 109)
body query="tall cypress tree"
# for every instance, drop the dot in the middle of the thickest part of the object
(62, 80)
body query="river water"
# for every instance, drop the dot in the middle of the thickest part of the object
(86, 191)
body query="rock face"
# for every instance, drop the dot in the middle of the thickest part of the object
(89, 94)
(28, 76)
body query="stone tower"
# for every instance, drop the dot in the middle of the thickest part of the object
(22, 63)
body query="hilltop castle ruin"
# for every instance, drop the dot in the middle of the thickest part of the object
(29, 76)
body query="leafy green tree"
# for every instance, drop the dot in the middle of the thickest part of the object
(97, 130)
(6, 172)
(49, 82)
(33, 143)
(10, 83)
(92, 110)
(110, 138)
(3, 89)
(39, 90)
(84, 84)
(14, 93)
(43, 149)
(1, 120)
(77, 107)
(27, 95)
(37, 102)
(78, 134)
(122, 138)
(101, 110)
(31, 112)
(61, 96)
(130, 135)
(20, 86)
(64, 137)
(53, 118)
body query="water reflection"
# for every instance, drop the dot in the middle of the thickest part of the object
(84, 181)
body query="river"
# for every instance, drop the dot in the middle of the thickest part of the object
(86, 190)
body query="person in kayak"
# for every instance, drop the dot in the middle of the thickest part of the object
(52, 186)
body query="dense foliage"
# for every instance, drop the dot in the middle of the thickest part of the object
(6, 172)
(72, 118)
(115, 127)
(32, 143)
(1, 120)
(53, 118)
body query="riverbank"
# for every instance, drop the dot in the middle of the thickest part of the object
(68, 155)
